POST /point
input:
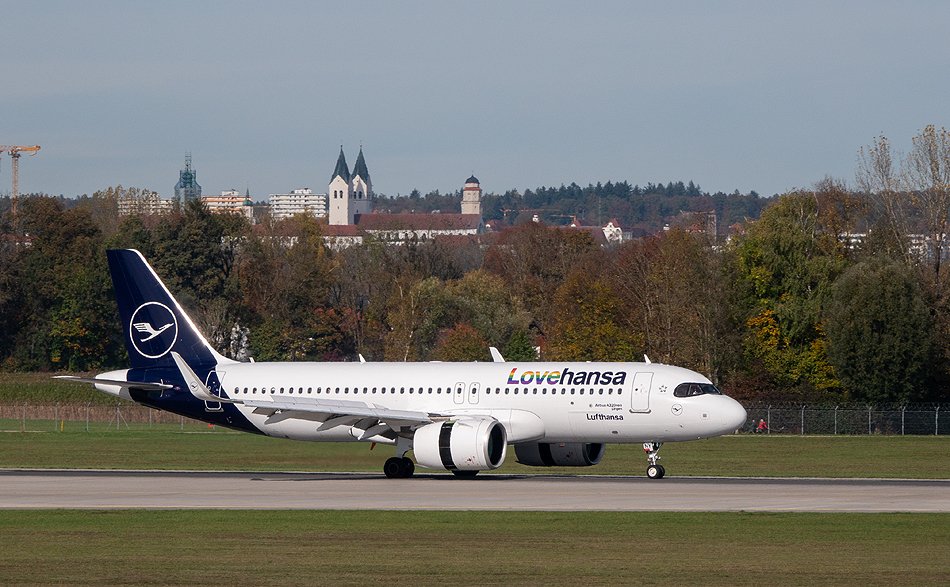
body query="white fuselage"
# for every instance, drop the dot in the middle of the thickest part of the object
(549, 402)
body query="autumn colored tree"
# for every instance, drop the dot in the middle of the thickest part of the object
(588, 323)
(461, 343)
(534, 260)
(672, 290)
(285, 276)
(786, 264)
(416, 311)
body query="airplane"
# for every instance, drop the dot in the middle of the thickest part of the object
(458, 417)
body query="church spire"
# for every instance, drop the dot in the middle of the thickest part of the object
(342, 169)
(359, 169)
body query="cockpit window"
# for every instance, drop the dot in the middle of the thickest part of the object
(691, 389)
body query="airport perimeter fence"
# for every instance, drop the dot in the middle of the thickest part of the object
(29, 417)
(930, 419)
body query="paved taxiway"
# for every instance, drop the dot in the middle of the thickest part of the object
(154, 489)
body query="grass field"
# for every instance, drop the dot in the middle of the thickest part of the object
(744, 456)
(491, 548)
(42, 388)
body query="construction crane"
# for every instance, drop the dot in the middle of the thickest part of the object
(15, 151)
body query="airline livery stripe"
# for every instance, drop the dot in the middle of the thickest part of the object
(445, 446)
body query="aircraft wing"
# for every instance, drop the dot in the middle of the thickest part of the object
(371, 419)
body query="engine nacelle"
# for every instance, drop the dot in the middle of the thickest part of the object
(466, 444)
(560, 454)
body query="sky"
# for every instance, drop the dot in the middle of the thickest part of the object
(764, 96)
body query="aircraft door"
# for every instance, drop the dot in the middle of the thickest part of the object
(458, 393)
(473, 393)
(213, 383)
(640, 394)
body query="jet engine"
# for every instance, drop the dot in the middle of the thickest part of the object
(560, 454)
(466, 444)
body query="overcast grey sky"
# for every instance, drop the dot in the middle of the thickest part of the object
(761, 96)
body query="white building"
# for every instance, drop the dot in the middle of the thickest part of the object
(349, 195)
(230, 202)
(472, 197)
(144, 205)
(298, 201)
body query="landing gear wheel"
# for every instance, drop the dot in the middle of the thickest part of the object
(399, 467)
(654, 469)
(393, 467)
(465, 474)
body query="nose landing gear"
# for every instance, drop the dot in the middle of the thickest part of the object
(654, 469)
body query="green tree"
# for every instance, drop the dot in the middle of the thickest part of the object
(483, 301)
(880, 333)
(520, 347)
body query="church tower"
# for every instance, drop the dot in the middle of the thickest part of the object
(340, 193)
(187, 187)
(361, 186)
(472, 197)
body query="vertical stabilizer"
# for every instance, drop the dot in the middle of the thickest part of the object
(153, 322)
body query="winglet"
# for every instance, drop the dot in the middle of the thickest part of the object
(362, 360)
(496, 355)
(195, 386)
(646, 359)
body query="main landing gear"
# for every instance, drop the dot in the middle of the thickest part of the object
(654, 470)
(399, 467)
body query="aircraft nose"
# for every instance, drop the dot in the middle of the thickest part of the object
(733, 415)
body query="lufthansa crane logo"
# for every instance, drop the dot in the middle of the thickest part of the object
(153, 330)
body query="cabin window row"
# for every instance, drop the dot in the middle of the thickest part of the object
(430, 390)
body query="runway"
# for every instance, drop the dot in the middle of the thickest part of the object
(45, 489)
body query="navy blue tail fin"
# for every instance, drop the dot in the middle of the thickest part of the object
(154, 324)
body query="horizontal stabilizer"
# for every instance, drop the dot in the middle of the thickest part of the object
(130, 384)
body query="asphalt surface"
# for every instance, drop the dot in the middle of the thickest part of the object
(352, 491)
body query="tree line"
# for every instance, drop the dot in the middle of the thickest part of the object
(641, 209)
(796, 306)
